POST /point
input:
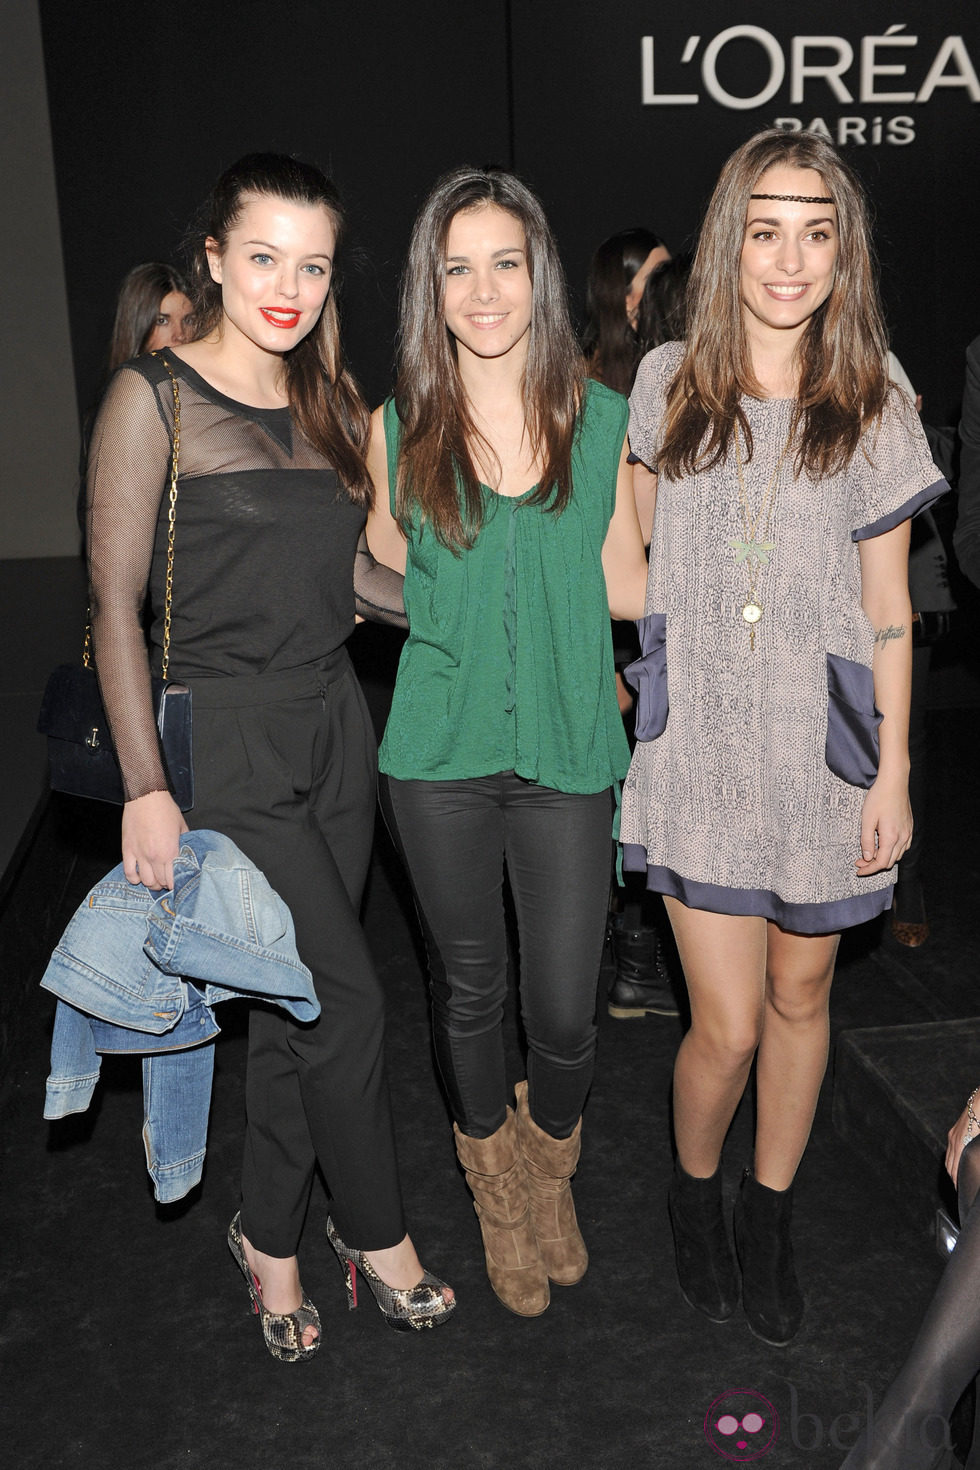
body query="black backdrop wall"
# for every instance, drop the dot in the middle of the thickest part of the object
(617, 113)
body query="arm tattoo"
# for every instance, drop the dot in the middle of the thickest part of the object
(884, 635)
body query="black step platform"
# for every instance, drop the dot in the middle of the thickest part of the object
(897, 1089)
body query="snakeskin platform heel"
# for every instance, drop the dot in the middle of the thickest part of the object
(283, 1331)
(408, 1309)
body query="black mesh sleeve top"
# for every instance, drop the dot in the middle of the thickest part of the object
(264, 549)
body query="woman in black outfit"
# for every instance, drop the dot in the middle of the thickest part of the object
(273, 493)
(911, 1429)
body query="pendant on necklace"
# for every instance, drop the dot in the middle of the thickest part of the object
(751, 612)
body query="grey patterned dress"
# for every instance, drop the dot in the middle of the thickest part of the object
(745, 791)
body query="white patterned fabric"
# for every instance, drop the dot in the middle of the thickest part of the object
(733, 807)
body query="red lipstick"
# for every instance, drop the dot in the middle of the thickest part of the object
(280, 317)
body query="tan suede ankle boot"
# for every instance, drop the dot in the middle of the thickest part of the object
(550, 1164)
(495, 1173)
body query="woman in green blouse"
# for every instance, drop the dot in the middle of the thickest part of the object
(505, 497)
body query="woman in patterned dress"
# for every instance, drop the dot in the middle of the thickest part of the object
(768, 794)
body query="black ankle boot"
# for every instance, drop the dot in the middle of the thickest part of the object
(771, 1295)
(642, 985)
(705, 1264)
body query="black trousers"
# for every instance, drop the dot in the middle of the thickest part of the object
(455, 837)
(285, 765)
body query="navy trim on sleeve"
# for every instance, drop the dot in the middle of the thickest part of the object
(905, 512)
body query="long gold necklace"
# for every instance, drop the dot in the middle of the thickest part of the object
(751, 550)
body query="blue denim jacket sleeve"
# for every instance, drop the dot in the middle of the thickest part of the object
(176, 1086)
(176, 1102)
(118, 975)
(74, 1064)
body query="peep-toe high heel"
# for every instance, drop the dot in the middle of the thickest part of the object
(283, 1331)
(406, 1309)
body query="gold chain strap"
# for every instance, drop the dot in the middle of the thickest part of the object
(171, 533)
(171, 522)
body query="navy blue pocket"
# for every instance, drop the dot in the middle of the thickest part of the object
(852, 721)
(648, 676)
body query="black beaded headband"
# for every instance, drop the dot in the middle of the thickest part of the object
(796, 198)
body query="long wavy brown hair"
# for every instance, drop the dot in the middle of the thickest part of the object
(324, 399)
(842, 354)
(437, 477)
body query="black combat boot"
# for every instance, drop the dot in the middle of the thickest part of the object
(642, 985)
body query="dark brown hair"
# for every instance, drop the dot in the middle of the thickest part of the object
(610, 343)
(662, 313)
(842, 354)
(436, 463)
(325, 400)
(137, 308)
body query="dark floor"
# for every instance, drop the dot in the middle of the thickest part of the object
(126, 1335)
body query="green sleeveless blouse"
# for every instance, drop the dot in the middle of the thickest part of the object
(508, 663)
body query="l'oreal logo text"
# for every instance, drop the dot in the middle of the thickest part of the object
(885, 71)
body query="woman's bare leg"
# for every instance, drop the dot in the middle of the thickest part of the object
(724, 960)
(792, 1055)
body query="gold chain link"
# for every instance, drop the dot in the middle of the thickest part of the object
(171, 523)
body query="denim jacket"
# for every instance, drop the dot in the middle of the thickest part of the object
(117, 973)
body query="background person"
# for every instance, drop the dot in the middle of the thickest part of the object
(643, 983)
(966, 540)
(618, 273)
(153, 310)
(932, 605)
(662, 313)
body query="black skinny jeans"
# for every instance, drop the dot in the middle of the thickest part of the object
(455, 837)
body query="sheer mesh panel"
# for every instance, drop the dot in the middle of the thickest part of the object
(264, 553)
(378, 590)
